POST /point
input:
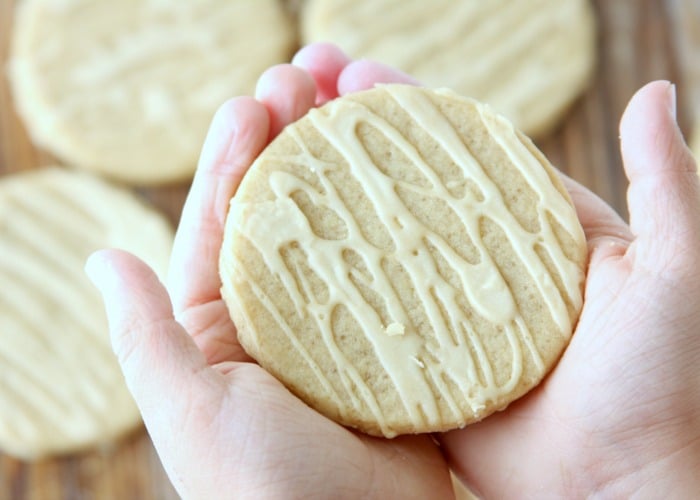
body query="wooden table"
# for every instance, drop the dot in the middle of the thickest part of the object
(639, 40)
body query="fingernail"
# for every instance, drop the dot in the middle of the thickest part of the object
(671, 99)
(94, 265)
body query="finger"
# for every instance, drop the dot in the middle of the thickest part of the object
(324, 62)
(288, 92)
(364, 74)
(162, 367)
(607, 234)
(213, 331)
(238, 133)
(663, 196)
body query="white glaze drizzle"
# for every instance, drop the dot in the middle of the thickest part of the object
(416, 365)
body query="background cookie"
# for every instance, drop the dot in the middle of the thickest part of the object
(404, 260)
(529, 60)
(128, 88)
(62, 388)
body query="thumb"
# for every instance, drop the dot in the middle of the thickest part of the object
(163, 368)
(663, 195)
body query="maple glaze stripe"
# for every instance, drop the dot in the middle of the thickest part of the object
(269, 225)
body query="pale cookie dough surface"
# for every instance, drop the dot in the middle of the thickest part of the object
(62, 389)
(128, 88)
(695, 143)
(404, 261)
(529, 60)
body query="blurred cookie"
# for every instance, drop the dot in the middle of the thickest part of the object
(529, 60)
(62, 388)
(404, 261)
(129, 88)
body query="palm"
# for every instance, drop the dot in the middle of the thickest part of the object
(253, 407)
(591, 402)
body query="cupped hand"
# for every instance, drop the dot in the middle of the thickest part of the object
(620, 413)
(222, 426)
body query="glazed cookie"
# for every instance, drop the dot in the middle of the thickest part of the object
(62, 387)
(529, 60)
(403, 260)
(129, 88)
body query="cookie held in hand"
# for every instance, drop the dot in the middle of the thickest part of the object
(404, 261)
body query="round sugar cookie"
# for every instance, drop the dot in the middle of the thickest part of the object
(403, 260)
(128, 88)
(62, 389)
(529, 60)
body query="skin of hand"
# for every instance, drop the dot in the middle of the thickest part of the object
(620, 414)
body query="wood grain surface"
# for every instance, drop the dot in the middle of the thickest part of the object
(639, 41)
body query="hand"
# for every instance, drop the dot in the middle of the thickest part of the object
(223, 426)
(621, 410)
